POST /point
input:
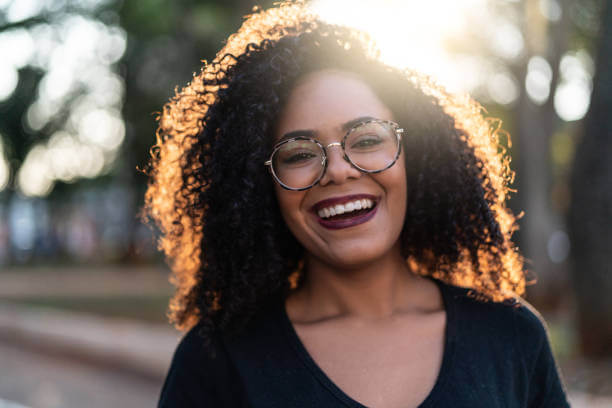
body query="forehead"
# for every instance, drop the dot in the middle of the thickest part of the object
(323, 100)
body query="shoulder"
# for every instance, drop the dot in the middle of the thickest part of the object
(517, 308)
(532, 334)
(515, 318)
(200, 373)
(514, 324)
(529, 322)
(507, 340)
(207, 367)
(196, 348)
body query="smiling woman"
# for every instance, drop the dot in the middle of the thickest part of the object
(338, 233)
(327, 102)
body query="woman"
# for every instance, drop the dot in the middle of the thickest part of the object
(338, 234)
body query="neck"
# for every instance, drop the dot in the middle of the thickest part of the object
(372, 291)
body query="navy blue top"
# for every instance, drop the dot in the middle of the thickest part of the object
(495, 355)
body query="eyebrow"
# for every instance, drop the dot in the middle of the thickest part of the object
(312, 133)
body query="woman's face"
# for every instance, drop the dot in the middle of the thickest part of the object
(322, 104)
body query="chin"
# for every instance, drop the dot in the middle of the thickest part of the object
(354, 255)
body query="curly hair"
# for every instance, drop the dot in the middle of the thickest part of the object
(213, 199)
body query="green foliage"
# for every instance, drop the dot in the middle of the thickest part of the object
(148, 18)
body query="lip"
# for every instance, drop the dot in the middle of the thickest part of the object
(346, 222)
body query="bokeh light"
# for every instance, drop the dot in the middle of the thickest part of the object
(79, 98)
(538, 79)
(33, 177)
(503, 88)
(8, 81)
(21, 47)
(508, 41)
(102, 128)
(4, 167)
(558, 246)
(573, 95)
(551, 9)
(22, 9)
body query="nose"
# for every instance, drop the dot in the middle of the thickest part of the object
(339, 169)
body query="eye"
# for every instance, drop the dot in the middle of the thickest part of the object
(297, 157)
(366, 141)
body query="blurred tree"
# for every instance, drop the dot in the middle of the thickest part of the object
(40, 26)
(165, 42)
(590, 217)
(535, 123)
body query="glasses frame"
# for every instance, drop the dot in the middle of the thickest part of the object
(397, 130)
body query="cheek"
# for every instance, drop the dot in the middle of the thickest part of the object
(400, 195)
(395, 184)
(289, 203)
(395, 178)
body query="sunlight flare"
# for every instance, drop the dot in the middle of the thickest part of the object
(410, 34)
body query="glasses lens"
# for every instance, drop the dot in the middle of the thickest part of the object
(372, 146)
(298, 163)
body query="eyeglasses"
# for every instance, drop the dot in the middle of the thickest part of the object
(371, 146)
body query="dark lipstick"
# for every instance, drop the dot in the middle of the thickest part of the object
(346, 221)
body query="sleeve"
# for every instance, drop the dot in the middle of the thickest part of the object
(546, 388)
(200, 376)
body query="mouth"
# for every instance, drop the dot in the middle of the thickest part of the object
(346, 211)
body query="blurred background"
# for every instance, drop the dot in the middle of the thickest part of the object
(83, 290)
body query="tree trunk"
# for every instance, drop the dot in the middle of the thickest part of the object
(590, 217)
(535, 126)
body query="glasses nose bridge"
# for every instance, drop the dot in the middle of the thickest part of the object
(339, 144)
(338, 170)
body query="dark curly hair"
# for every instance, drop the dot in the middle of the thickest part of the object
(213, 199)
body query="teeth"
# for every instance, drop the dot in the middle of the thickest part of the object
(345, 208)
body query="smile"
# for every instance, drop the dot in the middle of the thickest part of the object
(347, 211)
(340, 209)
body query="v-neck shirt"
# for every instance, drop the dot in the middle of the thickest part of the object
(495, 355)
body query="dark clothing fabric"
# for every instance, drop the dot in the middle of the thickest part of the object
(495, 355)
